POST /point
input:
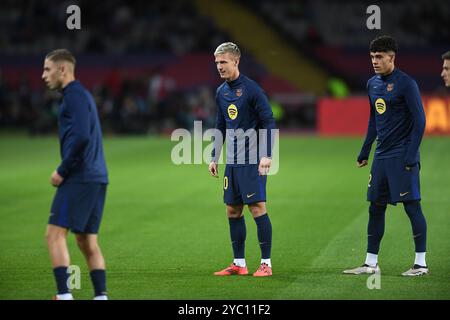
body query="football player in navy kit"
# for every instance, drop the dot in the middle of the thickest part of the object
(397, 122)
(243, 111)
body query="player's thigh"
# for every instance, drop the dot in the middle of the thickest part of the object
(87, 241)
(404, 185)
(55, 233)
(61, 206)
(251, 184)
(231, 192)
(378, 188)
(93, 223)
(76, 206)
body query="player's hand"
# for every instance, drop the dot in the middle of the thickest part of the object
(56, 179)
(264, 166)
(213, 169)
(361, 164)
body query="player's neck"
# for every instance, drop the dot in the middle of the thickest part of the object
(66, 82)
(388, 72)
(234, 77)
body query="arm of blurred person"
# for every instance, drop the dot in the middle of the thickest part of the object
(56, 179)
(77, 110)
(363, 156)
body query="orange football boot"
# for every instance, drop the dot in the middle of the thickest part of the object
(232, 270)
(263, 271)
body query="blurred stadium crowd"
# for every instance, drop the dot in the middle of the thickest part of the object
(150, 67)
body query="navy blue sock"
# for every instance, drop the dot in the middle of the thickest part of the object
(375, 227)
(61, 277)
(264, 235)
(418, 224)
(98, 278)
(238, 234)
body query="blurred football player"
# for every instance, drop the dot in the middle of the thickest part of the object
(445, 74)
(80, 179)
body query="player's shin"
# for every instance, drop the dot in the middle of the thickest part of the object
(419, 229)
(61, 276)
(98, 278)
(265, 237)
(238, 234)
(375, 232)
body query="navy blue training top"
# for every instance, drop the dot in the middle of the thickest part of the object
(397, 118)
(80, 137)
(243, 106)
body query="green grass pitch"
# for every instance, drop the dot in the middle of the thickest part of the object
(165, 230)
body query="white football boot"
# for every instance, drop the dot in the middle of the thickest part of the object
(415, 271)
(364, 269)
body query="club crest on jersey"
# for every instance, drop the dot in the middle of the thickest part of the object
(238, 92)
(390, 87)
(232, 111)
(380, 106)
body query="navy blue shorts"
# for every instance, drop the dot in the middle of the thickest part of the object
(78, 207)
(243, 185)
(390, 182)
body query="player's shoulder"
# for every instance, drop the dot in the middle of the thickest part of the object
(220, 88)
(404, 79)
(252, 87)
(250, 82)
(78, 94)
(75, 89)
(371, 81)
(374, 78)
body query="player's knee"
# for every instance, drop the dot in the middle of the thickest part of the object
(234, 214)
(257, 209)
(50, 237)
(412, 207)
(87, 245)
(377, 209)
(234, 211)
(81, 241)
(53, 235)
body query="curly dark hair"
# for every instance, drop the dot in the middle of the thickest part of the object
(383, 44)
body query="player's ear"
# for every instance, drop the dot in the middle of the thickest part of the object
(60, 67)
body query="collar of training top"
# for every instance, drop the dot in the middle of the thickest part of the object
(236, 81)
(70, 85)
(390, 75)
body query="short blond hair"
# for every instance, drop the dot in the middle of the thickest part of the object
(229, 47)
(446, 56)
(59, 55)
